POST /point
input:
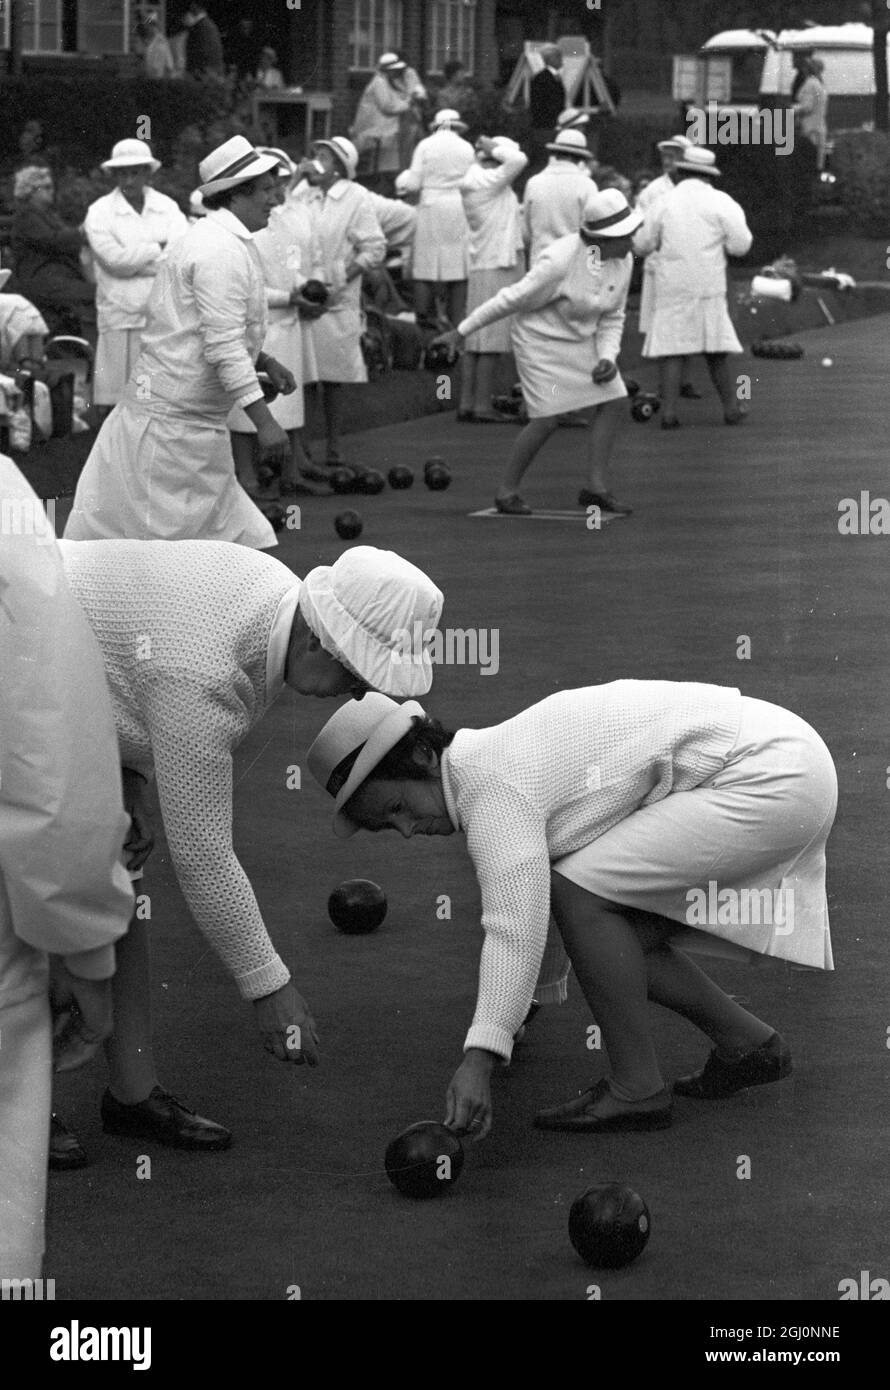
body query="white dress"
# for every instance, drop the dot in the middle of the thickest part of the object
(162, 464)
(288, 255)
(496, 256)
(645, 793)
(693, 231)
(648, 203)
(346, 232)
(441, 239)
(63, 888)
(126, 248)
(569, 314)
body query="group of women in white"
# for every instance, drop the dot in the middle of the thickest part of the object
(696, 785)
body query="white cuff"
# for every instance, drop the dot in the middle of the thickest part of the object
(266, 980)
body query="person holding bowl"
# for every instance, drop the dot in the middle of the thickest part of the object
(645, 815)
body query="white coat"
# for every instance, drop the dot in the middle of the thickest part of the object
(492, 211)
(554, 203)
(378, 121)
(127, 247)
(569, 315)
(63, 888)
(648, 202)
(693, 231)
(289, 257)
(347, 233)
(162, 465)
(441, 241)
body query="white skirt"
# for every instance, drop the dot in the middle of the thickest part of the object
(283, 341)
(153, 476)
(555, 374)
(683, 325)
(740, 859)
(647, 297)
(483, 285)
(337, 345)
(441, 239)
(116, 353)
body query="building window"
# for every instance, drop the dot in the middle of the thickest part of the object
(42, 26)
(103, 26)
(451, 34)
(376, 29)
(59, 26)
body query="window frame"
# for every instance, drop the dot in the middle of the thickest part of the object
(438, 35)
(392, 13)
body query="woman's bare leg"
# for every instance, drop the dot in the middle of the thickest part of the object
(131, 1066)
(486, 362)
(528, 443)
(677, 983)
(468, 366)
(718, 368)
(608, 959)
(671, 372)
(331, 397)
(456, 301)
(601, 442)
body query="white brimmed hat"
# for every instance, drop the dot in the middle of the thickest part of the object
(390, 62)
(699, 161)
(237, 161)
(571, 141)
(676, 142)
(130, 154)
(344, 150)
(375, 725)
(608, 213)
(366, 609)
(572, 119)
(282, 156)
(449, 119)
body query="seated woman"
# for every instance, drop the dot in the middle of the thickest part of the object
(46, 254)
(649, 816)
(23, 329)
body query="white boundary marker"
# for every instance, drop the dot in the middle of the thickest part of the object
(543, 515)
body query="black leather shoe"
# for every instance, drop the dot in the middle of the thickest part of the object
(606, 501)
(65, 1149)
(720, 1077)
(598, 1111)
(165, 1119)
(513, 505)
(689, 393)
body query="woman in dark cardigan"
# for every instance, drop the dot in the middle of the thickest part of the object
(46, 252)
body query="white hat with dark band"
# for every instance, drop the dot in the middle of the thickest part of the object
(237, 161)
(698, 161)
(372, 726)
(131, 154)
(608, 214)
(572, 142)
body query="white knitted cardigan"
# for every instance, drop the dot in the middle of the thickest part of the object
(552, 780)
(184, 629)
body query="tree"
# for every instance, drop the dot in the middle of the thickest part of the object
(880, 18)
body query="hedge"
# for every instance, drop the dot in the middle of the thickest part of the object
(82, 117)
(861, 162)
